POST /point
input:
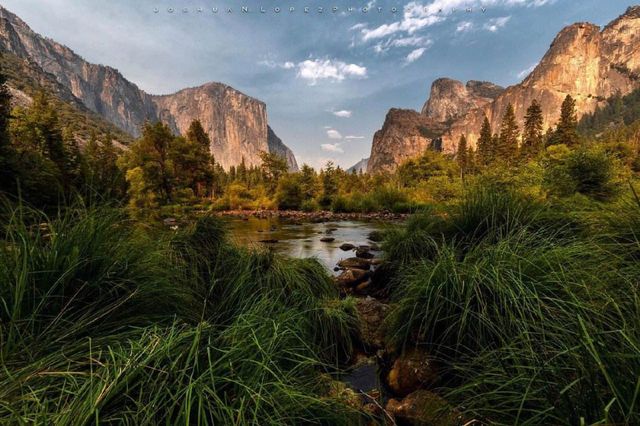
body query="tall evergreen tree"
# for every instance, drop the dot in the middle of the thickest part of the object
(485, 143)
(532, 136)
(567, 128)
(509, 134)
(197, 134)
(7, 159)
(462, 155)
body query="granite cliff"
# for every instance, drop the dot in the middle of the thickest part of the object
(585, 61)
(236, 123)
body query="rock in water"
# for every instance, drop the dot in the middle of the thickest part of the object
(413, 370)
(347, 247)
(327, 239)
(364, 254)
(355, 263)
(371, 315)
(352, 277)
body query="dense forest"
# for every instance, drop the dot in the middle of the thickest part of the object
(516, 278)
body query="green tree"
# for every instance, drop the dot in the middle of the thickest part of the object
(507, 149)
(329, 184)
(151, 153)
(308, 182)
(486, 147)
(462, 155)
(532, 136)
(7, 157)
(567, 127)
(273, 167)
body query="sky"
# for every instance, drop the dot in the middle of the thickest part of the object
(328, 77)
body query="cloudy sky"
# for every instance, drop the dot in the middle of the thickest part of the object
(328, 78)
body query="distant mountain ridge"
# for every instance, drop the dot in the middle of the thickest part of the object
(359, 167)
(584, 61)
(236, 123)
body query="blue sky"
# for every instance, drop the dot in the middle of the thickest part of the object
(328, 78)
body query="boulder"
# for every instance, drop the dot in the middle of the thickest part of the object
(423, 408)
(413, 370)
(371, 314)
(327, 239)
(364, 254)
(355, 263)
(352, 277)
(347, 247)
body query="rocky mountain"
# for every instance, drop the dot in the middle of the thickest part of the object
(359, 167)
(404, 135)
(236, 123)
(585, 61)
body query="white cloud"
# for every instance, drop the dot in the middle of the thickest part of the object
(496, 23)
(417, 16)
(522, 74)
(411, 41)
(343, 113)
(334, 134)
(464, 27)
(331, 147)
(415, 55)
(313, 70)
(351, 137)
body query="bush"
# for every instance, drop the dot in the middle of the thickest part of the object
(590, 172)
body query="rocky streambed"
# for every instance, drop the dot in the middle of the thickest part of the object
(395, 386)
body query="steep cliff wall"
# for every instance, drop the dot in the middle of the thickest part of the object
(237, 123)
(584, 61)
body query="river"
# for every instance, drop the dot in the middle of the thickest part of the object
(304, 239)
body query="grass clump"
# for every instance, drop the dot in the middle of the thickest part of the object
(107, 321)
(533, 321)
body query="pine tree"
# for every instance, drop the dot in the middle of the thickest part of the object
(485, 143)
(567, 128)
(462, 155)
(197, 134)
(508, 139)
(7, 160)
(472, 161)
(532, 137)
(5, 112)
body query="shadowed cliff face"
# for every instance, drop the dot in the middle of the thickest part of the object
(236, 123)
(588, 63)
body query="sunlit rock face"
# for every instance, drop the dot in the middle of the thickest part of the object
(585, 61)
(236, 123)
(404, 135)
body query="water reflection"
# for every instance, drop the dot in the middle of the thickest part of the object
(303, 239)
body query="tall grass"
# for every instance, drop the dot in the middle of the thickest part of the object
(106, 321)
(534, 321)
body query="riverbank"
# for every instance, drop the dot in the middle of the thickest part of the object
(319, 216)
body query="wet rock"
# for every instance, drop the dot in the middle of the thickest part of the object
(363, 288)
(352, 277)
(376, 262)
(423, 408)
(371, 314)
(355, 263)
(364, 254)
(413, 370)
(327, 239)
(347, 247)
(269, 241)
